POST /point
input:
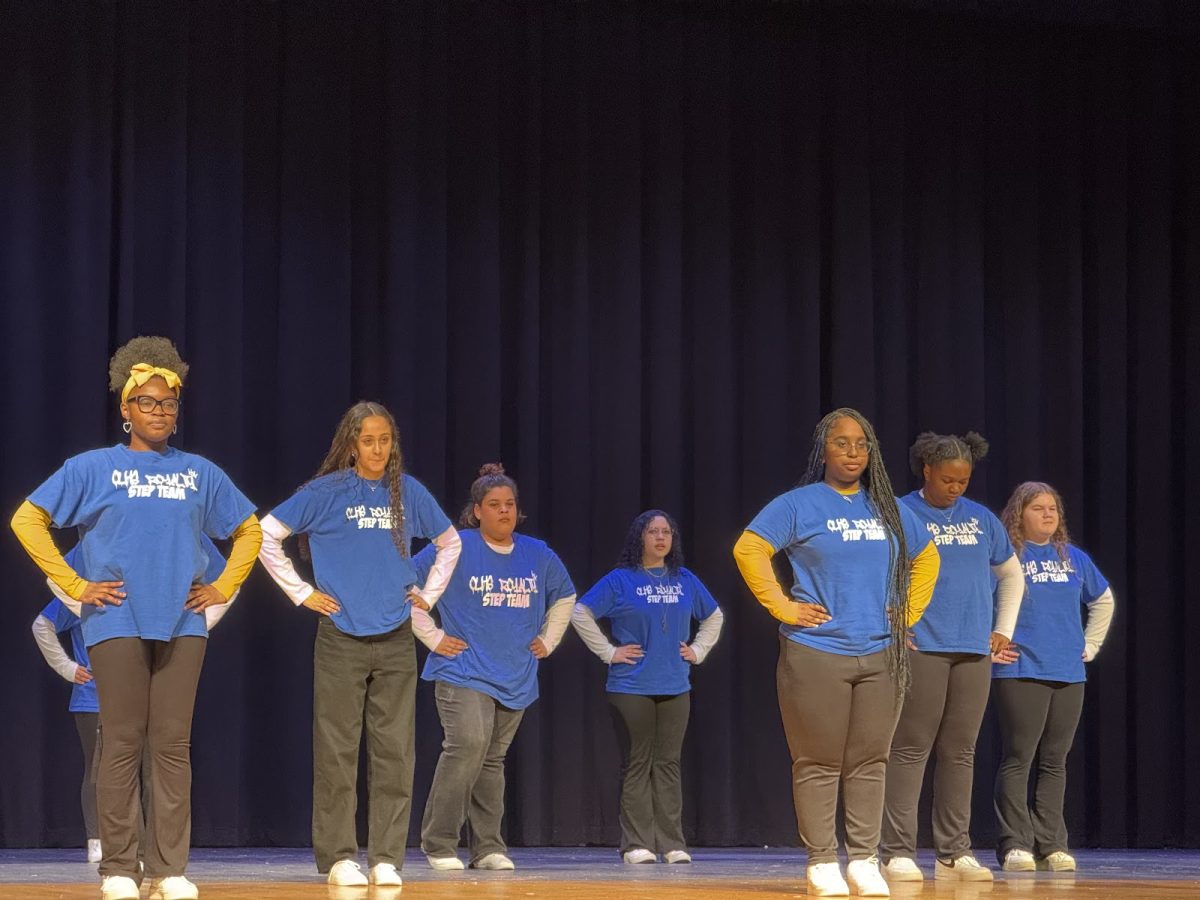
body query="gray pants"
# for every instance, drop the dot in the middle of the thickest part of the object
(650, 732)
(147, 692)
(468, 785)
(87, 724)
(839, 713)
(359, 680)
(1036, 717)
(944, 709)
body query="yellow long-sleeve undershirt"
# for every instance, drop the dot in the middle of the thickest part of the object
(31, 525)
(752, 553)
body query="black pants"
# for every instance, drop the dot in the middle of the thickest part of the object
(88, 724)
(1036, 717)
(650, 732)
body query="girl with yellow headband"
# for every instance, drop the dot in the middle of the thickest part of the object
(142, 511)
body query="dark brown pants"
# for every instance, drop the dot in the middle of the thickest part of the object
(147, 691)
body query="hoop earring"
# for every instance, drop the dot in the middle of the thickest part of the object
(175, 430)
(127, 426)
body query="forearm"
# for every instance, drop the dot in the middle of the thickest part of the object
(554, 626)
(247, 540)
(52, 650)
(31, 525)
(707, 634)
(1100, 613)
(1010, 590)
(278, 564)
(590, 633)
(752, 554)
(449, 546)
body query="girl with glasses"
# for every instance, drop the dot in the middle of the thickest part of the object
(143, 511)
(650, 600)
(863, 572)
(356, 519)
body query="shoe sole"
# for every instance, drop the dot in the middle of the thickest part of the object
(976, 876)
(903, 877)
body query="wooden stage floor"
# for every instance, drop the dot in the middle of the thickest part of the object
(574, 874)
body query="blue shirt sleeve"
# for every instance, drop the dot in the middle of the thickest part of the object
(423, 562)
(1000, 545)
(776, 523)
(558, 582)
(425, 518)
(60, 615)
(916, 536)
(703, 602)
(1094, 584)
(298, 512)
(603, 596)
(227, 506)
(64, 495)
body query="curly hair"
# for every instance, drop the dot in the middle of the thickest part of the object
(929, 449)
(881, 499)
(157, 351)
(631, 552)
(491, 476)
(1014, 512)
(341, 458)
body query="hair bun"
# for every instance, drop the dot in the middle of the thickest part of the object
(491, 469)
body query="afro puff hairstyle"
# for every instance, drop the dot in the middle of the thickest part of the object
(156, 351)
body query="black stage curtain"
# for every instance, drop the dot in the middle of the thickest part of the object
(634, 251)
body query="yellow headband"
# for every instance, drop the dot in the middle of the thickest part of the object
(143, 372)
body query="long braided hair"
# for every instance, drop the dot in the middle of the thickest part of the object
(881, 500)
(1014, 512)
(342, 457)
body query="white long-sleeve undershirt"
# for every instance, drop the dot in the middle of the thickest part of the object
(589, 632)
(1010, 591)
(1100, 613)
(52, 649)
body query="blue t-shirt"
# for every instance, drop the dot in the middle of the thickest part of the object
(1049, 633)
(655, 612)
(839, 550)
(83, 696)
(496, 603)
(348, 521)
(970, 540)
(142, 517)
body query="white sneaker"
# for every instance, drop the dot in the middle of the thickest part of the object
(639, 855)
(444, 863)
(95, 854)
(347, 873)
(1018, 861)
(119, 887)
(385, 874)
(496, 862)
(965, 868)
(678, 856)
(865, 880)
(173, 887)
(825, 880)
(901, 868)
(1058, 861)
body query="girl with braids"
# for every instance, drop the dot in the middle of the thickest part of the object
(506, 607)
(951, 662)
(650, 600)
(358, 515)
(1039, 679)
(143, 511)
(864, 570)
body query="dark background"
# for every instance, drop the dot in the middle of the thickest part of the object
(634, 251)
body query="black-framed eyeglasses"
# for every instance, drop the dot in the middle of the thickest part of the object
(146, 404)
(842, 445)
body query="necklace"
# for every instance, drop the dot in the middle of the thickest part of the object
(947, 513)
(659, 579)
